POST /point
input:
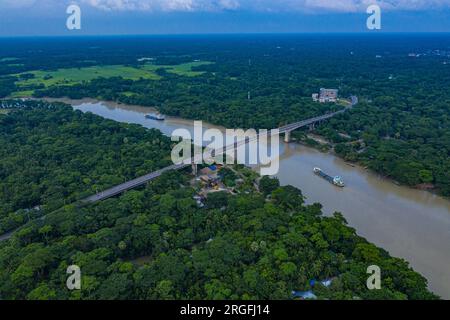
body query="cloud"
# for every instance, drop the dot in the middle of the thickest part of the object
(266, 5)
(248, 5)
(345, 5)
(164, 5)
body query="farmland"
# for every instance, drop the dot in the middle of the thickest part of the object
(29, 81)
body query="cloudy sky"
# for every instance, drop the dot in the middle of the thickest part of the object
(48, 17)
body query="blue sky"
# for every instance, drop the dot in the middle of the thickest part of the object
(48, 17)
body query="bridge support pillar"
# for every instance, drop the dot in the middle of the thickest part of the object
(287, 137)
(312, 127)
(194, 169)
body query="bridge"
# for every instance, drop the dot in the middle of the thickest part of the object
(311, 122)
(119, 189)
(286, 130)
(132, 184)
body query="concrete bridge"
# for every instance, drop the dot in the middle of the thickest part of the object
(119, 189)
(131, 184)
(286, 130)
(311, 122)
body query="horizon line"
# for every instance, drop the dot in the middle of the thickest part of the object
(368, 33)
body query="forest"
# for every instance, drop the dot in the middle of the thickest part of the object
(400, 129)
(52, 156)
(156, 242)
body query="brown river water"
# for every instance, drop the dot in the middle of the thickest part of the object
(409, 223)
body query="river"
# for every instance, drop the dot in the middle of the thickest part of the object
(409, 223)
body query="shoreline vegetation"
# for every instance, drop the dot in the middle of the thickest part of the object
(321, 144)
(177, 237)
(313, 140)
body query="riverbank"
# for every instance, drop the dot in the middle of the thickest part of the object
(323, 145)
(408, 223)
(320, 142)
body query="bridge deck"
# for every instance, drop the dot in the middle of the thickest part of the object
(151, 176)
(131, 184)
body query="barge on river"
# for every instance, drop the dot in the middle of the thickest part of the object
(337, 181)
(157, 117)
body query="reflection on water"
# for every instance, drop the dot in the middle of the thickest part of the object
(409, 223)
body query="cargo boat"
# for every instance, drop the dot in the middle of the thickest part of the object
(337, 181)
(158, 117)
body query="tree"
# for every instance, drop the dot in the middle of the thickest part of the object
(426, 176)
(163, 291)
(115, 287)
(288, 197)
(267, 185)
(42, 292)
(217, 199)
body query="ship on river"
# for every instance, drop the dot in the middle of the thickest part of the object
(337, 180)
(157, 117)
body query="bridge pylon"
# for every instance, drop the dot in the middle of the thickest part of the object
(287, 137)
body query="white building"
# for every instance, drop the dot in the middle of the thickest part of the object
(326, 95)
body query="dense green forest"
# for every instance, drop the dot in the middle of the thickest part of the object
(156, 242)
(400, 129)
(52, 156)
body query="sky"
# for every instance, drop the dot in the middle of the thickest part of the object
(107, 17)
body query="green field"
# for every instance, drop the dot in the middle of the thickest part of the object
(22, 94)
(185, 69)
(67, 77)
(77, 75)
